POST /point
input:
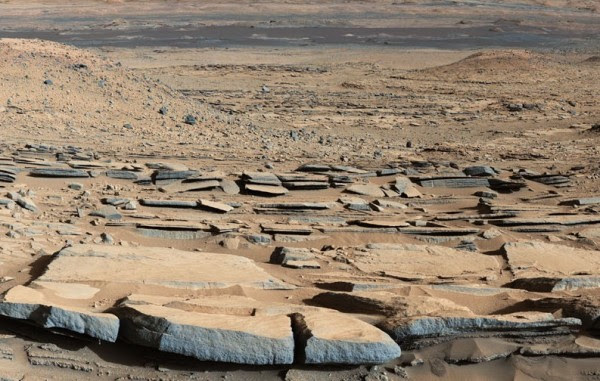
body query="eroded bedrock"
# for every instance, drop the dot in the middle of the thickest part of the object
(192, 304)
(157, 266)
(225, 328)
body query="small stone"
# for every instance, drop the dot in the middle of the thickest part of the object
(131, 205)
(189, 119)
(486, 194)
(401, 372)
(107, 239)
(76, 186)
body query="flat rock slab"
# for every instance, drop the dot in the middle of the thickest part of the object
(302, 177)
(390, 204)
(58, 172)
(453, 182)
(406, 188)
(297, 206)
(109, 212)
(333, 338)
(23, 202)
(536, 258)
(582, 201)
(548, 284)
(229, 186)
(156, 266)
(281, 255)
(169, 203)
(178, 187)
(264, 178)
(322, 336)
(251, 340)
(355, 203)
(286, 229)
(479, 170)
(29, 304)
(383, 223)
(549, 220)
(120, 174)
(402, 328)
(296, 264)
(162, 175)
(389, 304)
(218, 207)
(439, 231)
(366, 190)
(305, 185)
(416, 261)
(266, 190)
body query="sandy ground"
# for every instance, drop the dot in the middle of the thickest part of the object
(422, 114)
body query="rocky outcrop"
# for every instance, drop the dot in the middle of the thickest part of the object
(408, 329)
(29, 304)
(156, 266)
(252, 340)
(333, 338)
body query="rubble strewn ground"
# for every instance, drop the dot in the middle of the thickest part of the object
(340, 212)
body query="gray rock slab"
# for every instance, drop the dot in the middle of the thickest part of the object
(582, 201)
(286, 229)
(253, 340)
(281, 255)
(214, 206)
(297, 205)
(119, 174)
(161, 175)
(334, 338)
(305, 185)
(169, 203)
(555, 284)
(266, 190)
(371, 190)
(413, 328)
(29, 304)
(58, 172)
(229, 186)
(261, 178)
(109, 212)
(479, 170)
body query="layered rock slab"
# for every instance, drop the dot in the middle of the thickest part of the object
(321, 335)
(419, 327)
(156, 266)
(26, 303)
(333, 338)
(252, 340)
(409, 261)
(414, 319)
(536, 258)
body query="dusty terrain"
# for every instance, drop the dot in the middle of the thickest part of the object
(299, 209)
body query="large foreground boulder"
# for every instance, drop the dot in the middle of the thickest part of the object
(334, 338)
(252, 340)
(220, 328)
(525, 323)
(25, 303)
